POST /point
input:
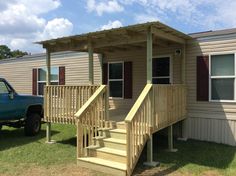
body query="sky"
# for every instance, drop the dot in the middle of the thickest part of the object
(23, 22)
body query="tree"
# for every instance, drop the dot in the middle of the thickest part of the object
(18, 53)
(5, 52)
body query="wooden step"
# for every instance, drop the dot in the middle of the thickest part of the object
(121, 125)
(102, 165)
(113, 143)
(116, 133)
(108, 153)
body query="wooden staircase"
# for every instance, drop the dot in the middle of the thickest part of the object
(109, 154)
(116, 148)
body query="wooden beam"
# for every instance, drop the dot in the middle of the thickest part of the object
(48, 63)
(100, 57)
(91, 71)
(73, 45)
(149, 56)
(165, 35)
(121, 41)
(48, 82)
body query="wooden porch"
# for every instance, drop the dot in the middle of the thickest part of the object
(99, 137)
(103, 143)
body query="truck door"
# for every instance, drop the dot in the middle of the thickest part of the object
(8, 110)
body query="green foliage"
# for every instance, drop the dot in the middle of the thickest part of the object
(5, 52)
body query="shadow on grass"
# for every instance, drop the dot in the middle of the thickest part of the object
(70, 141)
(12, 137)
(217, 156)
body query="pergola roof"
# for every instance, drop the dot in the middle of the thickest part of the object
(119, 38)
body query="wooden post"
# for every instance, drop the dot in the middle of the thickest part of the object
(149, 56)
(91, 73)
(48, 82)
(170, 139)
(150, 161)
(100, 56)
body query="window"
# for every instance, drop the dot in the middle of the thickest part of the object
(3, 88)
(42, 78)
(161, 70)
(116, 80)
(222, 77)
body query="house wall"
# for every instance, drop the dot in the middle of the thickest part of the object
(209, 121)
(19, 71)
(138, 59)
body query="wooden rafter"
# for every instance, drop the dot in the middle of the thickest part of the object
(167, 35)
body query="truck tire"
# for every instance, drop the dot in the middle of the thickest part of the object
(32, 124)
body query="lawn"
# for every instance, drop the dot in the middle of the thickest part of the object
(20, 155)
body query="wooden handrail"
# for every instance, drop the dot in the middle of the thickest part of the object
(157, 107)
(138, 123)
(138, 103)
(93, 98)
(91, 117)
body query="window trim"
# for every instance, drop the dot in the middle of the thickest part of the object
(171, 66)
(221, 77)
(108, 80)
(46, 78)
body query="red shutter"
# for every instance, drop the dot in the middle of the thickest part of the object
(34, 81)
(128, 81)
(104, 73)
(202, 78)
(62, 75)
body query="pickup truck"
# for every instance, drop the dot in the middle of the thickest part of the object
(20, 110)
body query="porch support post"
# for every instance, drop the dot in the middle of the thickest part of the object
(91, 72)
(48, 82)
(184, 122)
(149, 56)
(150, 161)
(170, 139)
(100, 57)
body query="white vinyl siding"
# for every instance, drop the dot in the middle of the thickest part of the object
(18, 72)
(207, 120)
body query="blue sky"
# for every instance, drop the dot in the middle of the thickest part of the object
(26, 21)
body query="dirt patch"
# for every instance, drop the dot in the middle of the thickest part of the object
(62, 170)
(210, 173)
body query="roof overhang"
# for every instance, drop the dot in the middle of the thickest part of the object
(119, 38)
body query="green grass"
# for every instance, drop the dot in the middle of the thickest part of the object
(19, 153)
(194, 158)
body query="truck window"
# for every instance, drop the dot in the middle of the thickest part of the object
(3, 88)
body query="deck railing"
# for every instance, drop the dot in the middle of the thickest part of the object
(62, 102)
(92, 116)
(157, 107)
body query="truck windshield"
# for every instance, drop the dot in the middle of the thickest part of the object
(3, 88)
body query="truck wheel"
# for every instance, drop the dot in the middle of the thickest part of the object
(32, 125)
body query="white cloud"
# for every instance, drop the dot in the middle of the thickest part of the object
(22, 23)
(203, 14)
(101, 7)
(112, 24)
(142, 18)
(57, 27)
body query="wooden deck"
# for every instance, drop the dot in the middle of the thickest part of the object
(113, 143)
